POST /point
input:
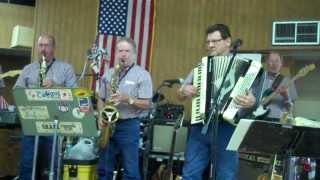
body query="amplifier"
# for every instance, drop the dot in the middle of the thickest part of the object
(162, 136)
(169, 112)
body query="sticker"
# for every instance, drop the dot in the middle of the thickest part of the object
(81, 92)
(63, 107)
(33, 112)
(64, 127)
(84, 104)
(49, 94)
(77, 113)
(129, 82)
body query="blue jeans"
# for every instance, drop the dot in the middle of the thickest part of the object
(125, 142)
(198, 153)
(27, 152)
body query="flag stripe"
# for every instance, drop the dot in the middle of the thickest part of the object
(141, 31)
(150, 35)
(130, 14)
(145, 35)
(132, 20)
(113, 50)
(137, 23)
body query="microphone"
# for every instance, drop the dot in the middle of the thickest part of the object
(94, 54)
(236, 44)
(91, 55)
(170, 82)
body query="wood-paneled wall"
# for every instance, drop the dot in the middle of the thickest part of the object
(179, 28)
(11, 15)
(73, 23)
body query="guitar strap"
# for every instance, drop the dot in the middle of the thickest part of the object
(277, 82)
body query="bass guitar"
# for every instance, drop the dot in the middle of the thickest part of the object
(262, 109)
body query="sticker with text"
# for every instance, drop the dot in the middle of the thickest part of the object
(33, 112)
(49, 94)
(64, 127)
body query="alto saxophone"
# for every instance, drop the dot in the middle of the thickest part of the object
(109, 112)
(43, 69)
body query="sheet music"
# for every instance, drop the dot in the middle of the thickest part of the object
(250, 56)
(238, 135)
(304, 122)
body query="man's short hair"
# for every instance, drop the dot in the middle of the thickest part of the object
(277, 53)
(130, 41)
(222, 28)
(50, 37)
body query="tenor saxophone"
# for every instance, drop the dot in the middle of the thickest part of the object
(109, 113)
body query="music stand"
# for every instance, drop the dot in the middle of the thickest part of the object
(55, 112)
(275, 138)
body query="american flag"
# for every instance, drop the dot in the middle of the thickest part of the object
(125, 18)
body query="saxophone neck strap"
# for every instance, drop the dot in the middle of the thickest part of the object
(122, 75)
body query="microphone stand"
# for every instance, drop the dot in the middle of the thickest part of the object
(214, 115)
(95, 58)
(152, 113)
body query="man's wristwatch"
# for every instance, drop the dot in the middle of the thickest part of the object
(131, 101)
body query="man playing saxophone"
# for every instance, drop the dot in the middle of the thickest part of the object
(47, 72)
(132, 99)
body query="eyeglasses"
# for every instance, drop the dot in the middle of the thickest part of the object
(214, 41)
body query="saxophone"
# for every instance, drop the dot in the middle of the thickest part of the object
(43, 69)
(109, 112)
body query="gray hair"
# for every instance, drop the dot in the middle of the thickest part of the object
(130, 41)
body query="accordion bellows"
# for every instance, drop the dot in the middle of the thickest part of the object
(208, 77)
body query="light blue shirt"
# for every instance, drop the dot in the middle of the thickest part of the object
(278, 104)
(61, 73)
(136, 83)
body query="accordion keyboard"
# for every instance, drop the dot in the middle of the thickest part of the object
(198, 107)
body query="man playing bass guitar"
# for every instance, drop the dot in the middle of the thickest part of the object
(274, 81)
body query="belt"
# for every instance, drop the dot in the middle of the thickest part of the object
(127, 119)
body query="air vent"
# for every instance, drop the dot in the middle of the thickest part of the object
(295, 33)
(20, 2)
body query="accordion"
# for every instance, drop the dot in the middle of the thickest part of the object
(208, 77)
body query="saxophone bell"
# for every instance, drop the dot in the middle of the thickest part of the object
(109, 114)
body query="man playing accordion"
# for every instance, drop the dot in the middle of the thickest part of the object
(218, 42)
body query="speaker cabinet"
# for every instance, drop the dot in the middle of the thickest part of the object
(162, 136)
